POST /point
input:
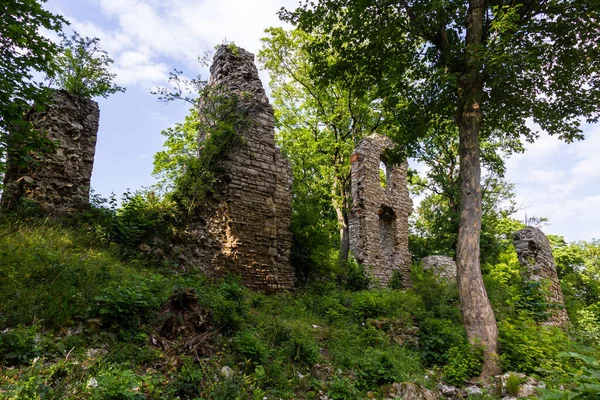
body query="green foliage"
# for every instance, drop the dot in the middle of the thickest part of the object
(301, 345)
(464, 362)
(188, 381)
(127, 303)
(513, 294)
(229, 304)
(250, 347)
(318, 127)
(49, 274)
(143, 219)
(19, 345)
(341, 388)
(526, 346)
(180, 146)
(356, 278)
(82, 68)
(581, 380)
(222, 117)
(513, 384)
(23, 50)
(117, 384)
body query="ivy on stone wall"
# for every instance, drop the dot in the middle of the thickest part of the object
(221, 117)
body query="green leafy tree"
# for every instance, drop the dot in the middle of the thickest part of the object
(82, 68)
(318, 125)
(23, 51)
(180, 146)
(488, 65)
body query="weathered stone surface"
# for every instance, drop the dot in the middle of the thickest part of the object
(411, 391)
(442, 266)
(535, 253)
(527, 387)
(247, 231)
(378, 221)
(60, 182)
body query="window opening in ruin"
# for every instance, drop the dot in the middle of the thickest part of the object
(383, 174)
(387, 236)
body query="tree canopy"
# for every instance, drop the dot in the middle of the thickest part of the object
(492, 67)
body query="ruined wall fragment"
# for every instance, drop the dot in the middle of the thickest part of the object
(60, 180)
(246, 231)
(442, 267)
(378, 221)
(535, 254)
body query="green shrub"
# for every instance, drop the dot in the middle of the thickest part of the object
(513, 384)
(51, 275)
(229, 303)
(356, 276)
(526, 346)
(188, 381)
(377, 368)
(340, 388)
(302, 347)
(579, 378)
(464, 362)
(437, 337)
(128, 303)
(19, 345)
(116, 384)
(250, 347)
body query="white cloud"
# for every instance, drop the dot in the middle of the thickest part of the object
(147, 38)
(561, 182)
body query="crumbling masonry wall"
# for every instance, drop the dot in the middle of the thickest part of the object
(247, 233)
(60, 181)
(378, 221)
(535, 253)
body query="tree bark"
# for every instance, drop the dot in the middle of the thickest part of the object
(478, 316)
(342, 216)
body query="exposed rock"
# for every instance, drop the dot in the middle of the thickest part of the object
(378, 222)
(226, 372)
(399, 330)
(535, 253)
(473, 390)
(442, 266)
(527, 387)
(411, 391)
(246, 232)
(451, 392)
(60, 180)
(321, 372)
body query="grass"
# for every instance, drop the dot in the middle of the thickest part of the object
(76, 321)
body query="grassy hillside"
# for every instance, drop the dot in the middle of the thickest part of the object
(78, 322)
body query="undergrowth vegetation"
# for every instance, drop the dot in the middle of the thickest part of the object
(85, 314)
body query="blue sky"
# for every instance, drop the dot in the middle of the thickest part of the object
(147, 38)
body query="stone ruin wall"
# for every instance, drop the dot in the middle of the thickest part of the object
(60, 182)
(247, 232)
(378, 221)
(443, 267)
(535, 253)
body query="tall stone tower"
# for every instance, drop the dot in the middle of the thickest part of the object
(248, 231)
(60, 180)
(378, 222)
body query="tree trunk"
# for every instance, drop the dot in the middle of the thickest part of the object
(342, 216)
(478, 316)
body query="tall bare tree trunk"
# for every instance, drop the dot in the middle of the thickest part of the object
(339, 204)
(478, 316)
